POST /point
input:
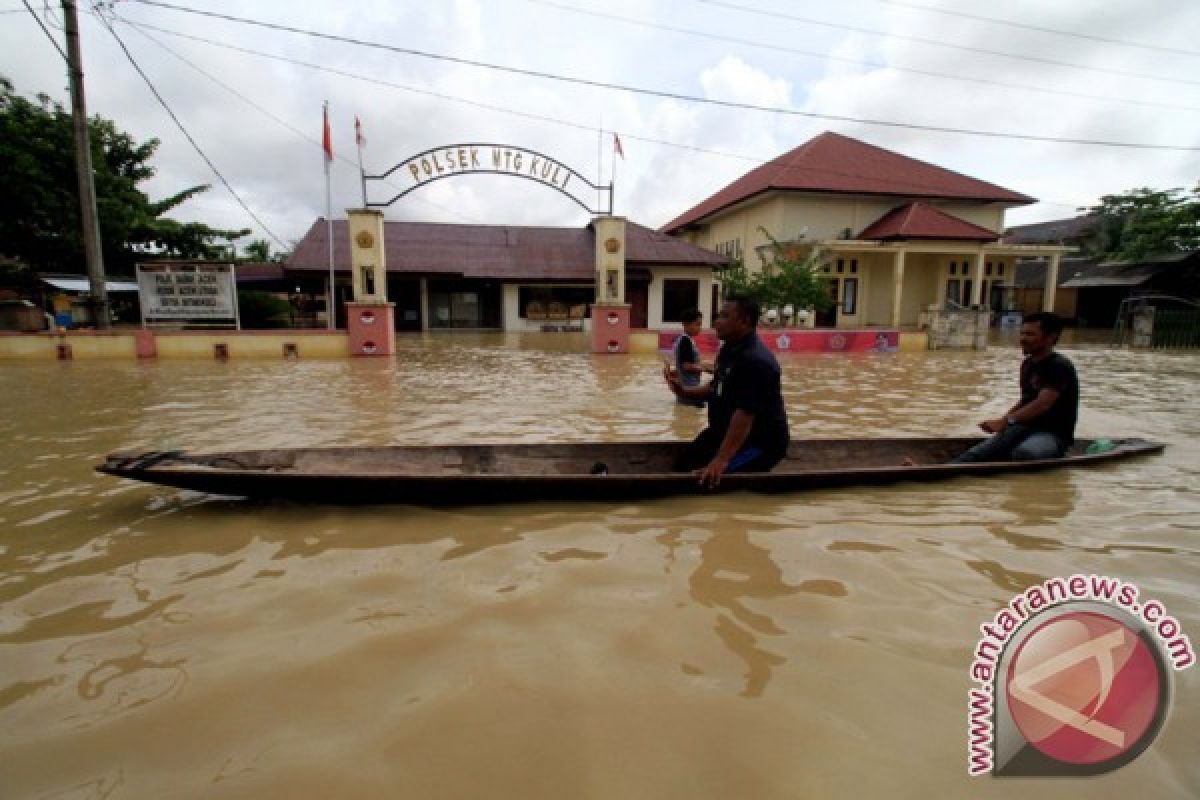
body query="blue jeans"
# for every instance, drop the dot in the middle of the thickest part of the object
(1016, 443)
(697, 453)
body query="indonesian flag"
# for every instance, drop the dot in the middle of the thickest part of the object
(359, 139)
(326, 139)
(617, 146)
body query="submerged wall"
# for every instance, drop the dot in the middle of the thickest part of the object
(135, 343)
(139, 343)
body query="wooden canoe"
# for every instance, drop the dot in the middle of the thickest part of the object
(470, 474)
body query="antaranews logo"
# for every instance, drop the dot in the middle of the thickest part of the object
(1072, 678)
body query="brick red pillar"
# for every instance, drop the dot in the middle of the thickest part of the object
(372, 329)
(145, 344)
(610, 328)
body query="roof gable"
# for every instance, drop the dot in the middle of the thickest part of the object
(834, 163)
(920, 221)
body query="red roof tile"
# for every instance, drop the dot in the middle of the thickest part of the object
(251, 271)
(919, 221)
(502, 252)
(831, 162)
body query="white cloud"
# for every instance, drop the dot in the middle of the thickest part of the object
(279, 173)
(734, 80)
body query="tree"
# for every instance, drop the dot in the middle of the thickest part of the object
(1142, 222)
(39, 203)
(788, 278)
(257, 250)
(262, 310)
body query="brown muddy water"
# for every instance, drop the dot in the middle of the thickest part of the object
(155, 643)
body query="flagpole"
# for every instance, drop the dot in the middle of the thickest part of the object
(331, 310)
(362, 175)
(600, 163)
(612, 179)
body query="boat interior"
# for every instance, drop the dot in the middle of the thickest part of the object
(640, 458)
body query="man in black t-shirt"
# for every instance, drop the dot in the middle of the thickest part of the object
(747, 423)
(686, 354)
(1042, 423)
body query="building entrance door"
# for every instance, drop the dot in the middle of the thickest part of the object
(464, 303)
(406, 294)
(828, 317)
(638, 297)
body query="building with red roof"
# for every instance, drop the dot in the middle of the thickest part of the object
(896, 234)
(508, 277)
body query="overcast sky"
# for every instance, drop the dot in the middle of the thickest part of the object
(883, 60)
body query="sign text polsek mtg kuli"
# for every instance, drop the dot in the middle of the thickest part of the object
(507, 160)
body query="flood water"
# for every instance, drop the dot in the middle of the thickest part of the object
(157, 643)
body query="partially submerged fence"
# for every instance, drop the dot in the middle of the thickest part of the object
(1176, 329)
(1142, 325)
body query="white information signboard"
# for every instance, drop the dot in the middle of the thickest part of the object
(201, 292)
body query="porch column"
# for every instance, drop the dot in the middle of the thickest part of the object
(897, 285)
(1051, 282)
(424, 304)
(976, 281)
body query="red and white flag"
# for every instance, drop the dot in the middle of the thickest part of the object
(326, 139)
(359, 139)
(617, 146)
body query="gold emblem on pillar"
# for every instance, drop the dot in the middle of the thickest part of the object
(612, 245)
(364, 239)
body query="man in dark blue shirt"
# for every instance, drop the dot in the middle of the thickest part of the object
(747, 422)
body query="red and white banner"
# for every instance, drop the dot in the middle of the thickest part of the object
(802, 340)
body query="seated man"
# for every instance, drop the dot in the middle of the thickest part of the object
(1042, 423)
(747, 422)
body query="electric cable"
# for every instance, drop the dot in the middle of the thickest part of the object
(673, 95)
(283, 245)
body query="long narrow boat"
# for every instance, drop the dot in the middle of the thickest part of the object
(498, 473)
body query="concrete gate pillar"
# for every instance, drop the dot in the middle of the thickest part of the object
(610, 312)
(370, 318)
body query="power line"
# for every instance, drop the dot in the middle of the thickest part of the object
(196, 146)
(1039, 28)
(669, 95)
(855, 61)
(440, 95)
(45, 30)
(756, 160)
(934, 42)
(311, 140)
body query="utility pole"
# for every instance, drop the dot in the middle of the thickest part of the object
(83, 165)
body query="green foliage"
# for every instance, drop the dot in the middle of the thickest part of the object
(263, 310)
(735, 279)
(39, 195)
(257, 250)
(1143, 222)
(785, 279)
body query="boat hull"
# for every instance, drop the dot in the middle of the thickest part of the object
(478, 474)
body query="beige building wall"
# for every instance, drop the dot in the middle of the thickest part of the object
(921, 286)
(789, 216)
(986, 216)
(654, 301)
(878, 305)
(819, 218)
